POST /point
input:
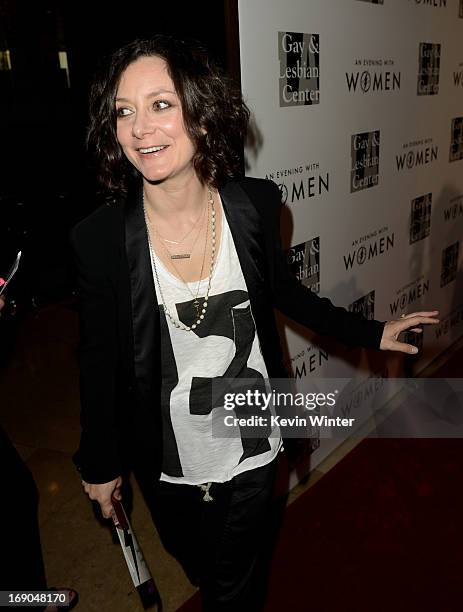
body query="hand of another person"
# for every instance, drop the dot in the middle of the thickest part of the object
(102, 494)
(392, 329)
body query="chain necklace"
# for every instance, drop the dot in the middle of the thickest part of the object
(180, 255)
(202, 314)
(178, 242)
(186, 235)
(196, 304)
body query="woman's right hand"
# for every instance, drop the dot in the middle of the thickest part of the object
(102, 493)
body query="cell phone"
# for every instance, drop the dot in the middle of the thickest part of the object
(11, 272)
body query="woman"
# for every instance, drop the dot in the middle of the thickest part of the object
(178, 280)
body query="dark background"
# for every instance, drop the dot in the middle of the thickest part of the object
(46, 182)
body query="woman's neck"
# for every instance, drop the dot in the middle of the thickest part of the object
(169, 200)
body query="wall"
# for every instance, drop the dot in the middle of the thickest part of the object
(358, 117)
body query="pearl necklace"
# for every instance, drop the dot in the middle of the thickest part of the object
(178, 324)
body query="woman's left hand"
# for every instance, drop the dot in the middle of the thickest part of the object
(392, 329)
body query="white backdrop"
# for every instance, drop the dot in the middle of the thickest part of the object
(358, 117)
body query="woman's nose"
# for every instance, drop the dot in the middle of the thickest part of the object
(142, 125)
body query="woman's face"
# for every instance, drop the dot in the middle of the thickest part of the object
(150, 126)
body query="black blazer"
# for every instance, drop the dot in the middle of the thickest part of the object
(119, 354)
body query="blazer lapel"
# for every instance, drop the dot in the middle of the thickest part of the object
(248, 235)
(145, 311)
(244, 223)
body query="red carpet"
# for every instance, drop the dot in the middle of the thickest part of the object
(381, 531)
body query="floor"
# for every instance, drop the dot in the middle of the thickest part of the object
(40, 413)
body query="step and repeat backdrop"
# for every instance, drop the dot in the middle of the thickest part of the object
(358, 117)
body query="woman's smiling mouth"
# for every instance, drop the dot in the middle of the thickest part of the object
(147, 150)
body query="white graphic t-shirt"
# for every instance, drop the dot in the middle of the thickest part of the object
(225, 344)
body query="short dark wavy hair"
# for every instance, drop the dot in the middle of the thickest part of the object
(214, 113)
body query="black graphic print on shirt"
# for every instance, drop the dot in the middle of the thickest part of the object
(223, 318)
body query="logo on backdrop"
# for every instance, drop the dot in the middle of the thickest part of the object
(408, 295)
(416, 153)
(307, 361)
(301, 182)
(453, 319)
(432, 3)
(363, 394)
(455, 209)
(369, 247)
(304, 261)
(365, 161)
(429, 69)
(373, 75)
(456, 139)
(299, 56)
(458, 76)
(420, 220)
(449, 264)
(364, 305)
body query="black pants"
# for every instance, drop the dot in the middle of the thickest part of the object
(224, 545)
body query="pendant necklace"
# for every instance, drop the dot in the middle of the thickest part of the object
(178, 242)
(200, 312)
(196, 303)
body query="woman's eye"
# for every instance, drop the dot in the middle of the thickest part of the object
(123, 112)
(161, 104)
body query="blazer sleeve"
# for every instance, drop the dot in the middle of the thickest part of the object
(97, 458)
(299, 303)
